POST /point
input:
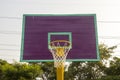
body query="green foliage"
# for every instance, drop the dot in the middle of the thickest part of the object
(110, 78)
(2, 62)
(114, 69)
(9, 71)
(105, 51)
(79, 70)
(90, 70)
(85, 70)
(49, 70)
(18, 71)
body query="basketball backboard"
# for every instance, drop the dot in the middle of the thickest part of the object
(40, 29)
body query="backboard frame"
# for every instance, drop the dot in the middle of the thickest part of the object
(23, 29)
(60, 33)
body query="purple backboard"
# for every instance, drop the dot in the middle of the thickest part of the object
(39, 29)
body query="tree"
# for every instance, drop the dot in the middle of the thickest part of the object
(28, 71)
(9, 72)
(19, 71)
(2, 63)
(114, 70)
(91, 70)
(49, 70)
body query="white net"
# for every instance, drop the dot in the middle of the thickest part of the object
(59, 50)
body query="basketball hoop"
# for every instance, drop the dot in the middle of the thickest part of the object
(59, 50)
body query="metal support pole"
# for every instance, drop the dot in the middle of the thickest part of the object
(60, 73)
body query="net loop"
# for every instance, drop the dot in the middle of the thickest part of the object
(59, 50)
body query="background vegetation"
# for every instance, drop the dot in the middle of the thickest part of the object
(99, 70)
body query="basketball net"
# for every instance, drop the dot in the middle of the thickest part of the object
(59, 50)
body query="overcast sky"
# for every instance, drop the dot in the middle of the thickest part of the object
(11, 12)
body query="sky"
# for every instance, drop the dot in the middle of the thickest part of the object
(11, 13)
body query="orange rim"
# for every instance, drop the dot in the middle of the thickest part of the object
(60, 41)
